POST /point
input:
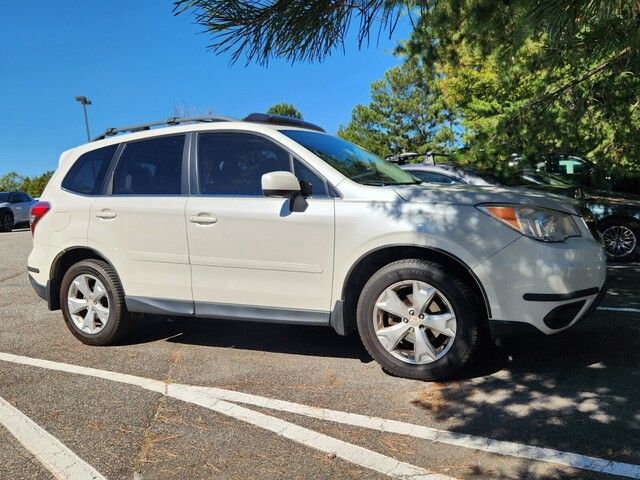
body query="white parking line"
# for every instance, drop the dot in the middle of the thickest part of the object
(51, 452)
(213, 396)
(619, 309)
(352, 453)
(347, 451)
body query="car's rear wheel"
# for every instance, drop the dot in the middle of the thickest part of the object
(621, 239)
(6, 222)
(92, 302)
(418, 321)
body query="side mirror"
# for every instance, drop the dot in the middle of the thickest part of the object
(280, 184)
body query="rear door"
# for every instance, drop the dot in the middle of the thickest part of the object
(253, 256)
(139, 224)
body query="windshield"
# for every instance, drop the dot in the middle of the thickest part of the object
(350, 160)
(4, 197)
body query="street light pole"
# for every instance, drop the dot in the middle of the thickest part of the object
(85, 101)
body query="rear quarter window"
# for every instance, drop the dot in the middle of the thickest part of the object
(86, 176)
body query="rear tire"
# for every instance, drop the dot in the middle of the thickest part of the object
(6, 222)
(93, 304)
(432, 298)
(621, 239)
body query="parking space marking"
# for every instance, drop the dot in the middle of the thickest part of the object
(347, 451)
(47, 449)
(512, 449)
(619, 309)
(214, 396)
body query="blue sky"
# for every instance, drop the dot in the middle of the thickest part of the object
(136, 62)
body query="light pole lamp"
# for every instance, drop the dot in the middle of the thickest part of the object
(85, 101)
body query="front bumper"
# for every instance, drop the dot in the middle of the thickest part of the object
(535, 286)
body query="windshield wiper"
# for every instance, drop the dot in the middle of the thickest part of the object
(375, 184)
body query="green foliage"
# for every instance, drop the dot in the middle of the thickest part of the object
(405, 114)
(31, 185)
(298, 30)
(285, 109)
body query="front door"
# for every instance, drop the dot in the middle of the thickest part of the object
(251, 256)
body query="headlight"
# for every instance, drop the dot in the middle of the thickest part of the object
(535, 222)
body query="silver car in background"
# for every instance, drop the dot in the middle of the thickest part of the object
(15, 208)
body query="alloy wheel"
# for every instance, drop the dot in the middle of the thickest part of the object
(619, 241)
(88, 303)
(414, 322)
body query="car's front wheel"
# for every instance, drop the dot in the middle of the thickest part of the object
(92, 302)
(418, 321)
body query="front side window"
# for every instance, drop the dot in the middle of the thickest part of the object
(86, 176)
(231, 163)
(150, 167)
(350, 160)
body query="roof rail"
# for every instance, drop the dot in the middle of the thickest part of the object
(281, 120)
(109, 132)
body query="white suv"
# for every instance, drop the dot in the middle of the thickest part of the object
(270, 219)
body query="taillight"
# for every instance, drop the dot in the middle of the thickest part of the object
(38, 210)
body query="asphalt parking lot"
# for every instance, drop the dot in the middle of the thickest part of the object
(216, 399)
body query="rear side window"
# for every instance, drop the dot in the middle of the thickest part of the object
(233, 163)
(86, 176)
(150, 167)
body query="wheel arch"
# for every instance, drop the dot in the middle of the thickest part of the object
(374, 260)
(62, 262)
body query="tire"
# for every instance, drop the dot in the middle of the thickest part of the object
(6, 222)
(453, 296)
(622, 230)
(116, 323)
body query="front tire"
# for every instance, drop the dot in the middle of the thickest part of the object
(92, 303)
(418, 321)
(6, 222)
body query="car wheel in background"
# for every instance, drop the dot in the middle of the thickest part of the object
(92, 302)
(621, 239)
(6, 222)
(418, 321)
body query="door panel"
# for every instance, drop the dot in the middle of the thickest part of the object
(145, 240)
(141, 228)
(260, 253)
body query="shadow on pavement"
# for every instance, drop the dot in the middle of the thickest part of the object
(578, 391)
(289, 339)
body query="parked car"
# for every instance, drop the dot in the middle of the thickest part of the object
(14, 209)
(616, 215)
(583, 173)
(270, 219)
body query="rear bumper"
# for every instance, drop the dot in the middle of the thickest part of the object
(43, 291)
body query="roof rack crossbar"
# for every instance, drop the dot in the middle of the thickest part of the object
(109, 132)
(273, 119)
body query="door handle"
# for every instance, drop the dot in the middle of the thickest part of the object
(203, 219)
(106, 214)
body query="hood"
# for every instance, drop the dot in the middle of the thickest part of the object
(473, 195)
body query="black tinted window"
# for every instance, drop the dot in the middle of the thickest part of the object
(305, 174)
(87, 174)
(233, 163)
(24, 197)
(150, 167)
